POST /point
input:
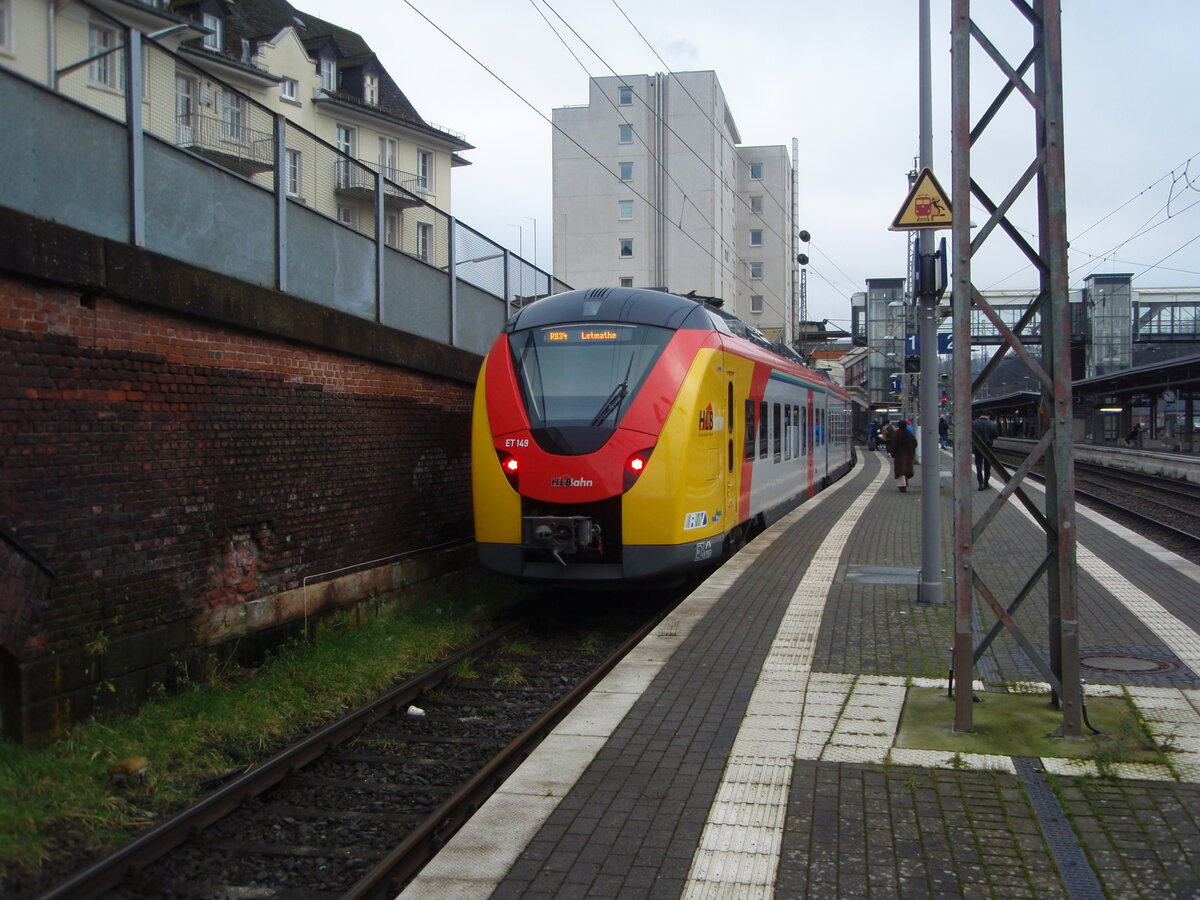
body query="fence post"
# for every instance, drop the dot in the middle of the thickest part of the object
(133, 122)
(281, 180)
(452, 271)
(507, 293)
(380, 243)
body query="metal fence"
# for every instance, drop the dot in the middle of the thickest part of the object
(192, 110)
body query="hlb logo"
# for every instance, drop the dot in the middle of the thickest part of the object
(568, 481)
(706, 418)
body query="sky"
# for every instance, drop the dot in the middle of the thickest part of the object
(842, 79)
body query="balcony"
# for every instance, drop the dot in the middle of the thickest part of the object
(401, 190)
(227, 143)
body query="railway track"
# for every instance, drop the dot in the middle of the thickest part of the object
(1164, 510)
(357, 808)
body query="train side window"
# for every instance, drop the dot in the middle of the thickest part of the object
(762, 430)
(804, 431)
(748, 450)
(787, 431)
(796, 431)
(777, 443)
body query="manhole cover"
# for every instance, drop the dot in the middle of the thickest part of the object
(1129, 664)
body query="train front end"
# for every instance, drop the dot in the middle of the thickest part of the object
(580, 448)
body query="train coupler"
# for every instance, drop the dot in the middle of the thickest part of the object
(560, 534)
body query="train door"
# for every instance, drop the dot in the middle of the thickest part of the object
(732, 456)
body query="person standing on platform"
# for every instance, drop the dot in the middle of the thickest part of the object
(1134, 434)
(943, 433)
(985, 432)
(903, 447)
(872, 435)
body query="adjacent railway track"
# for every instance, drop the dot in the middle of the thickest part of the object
(357, 808)
(1165, 510)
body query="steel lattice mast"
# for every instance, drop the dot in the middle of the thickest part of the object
(1045, 173)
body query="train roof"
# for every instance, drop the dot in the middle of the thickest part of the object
(643, 307)
(634, 305)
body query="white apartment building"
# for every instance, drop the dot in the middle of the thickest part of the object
(651, 189)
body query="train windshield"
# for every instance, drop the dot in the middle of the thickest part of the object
(584, 376)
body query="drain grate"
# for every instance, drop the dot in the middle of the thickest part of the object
(1078, 877)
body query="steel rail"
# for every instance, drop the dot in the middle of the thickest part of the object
(1125, 510)
(389, 876)
(108, 873)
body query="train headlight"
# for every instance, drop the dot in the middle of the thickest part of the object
(635, 465)
(511, 466)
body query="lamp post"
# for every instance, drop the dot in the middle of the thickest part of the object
(931, 588)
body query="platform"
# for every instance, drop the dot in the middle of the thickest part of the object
(748, 747)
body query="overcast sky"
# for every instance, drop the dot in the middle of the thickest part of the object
(842, 79)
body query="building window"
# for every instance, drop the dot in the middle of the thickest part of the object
(346, 139)
(371, 90)
(388, 155)
(756, 171)
(756, 303)
(185, 109)
(625, 170)
(391, 229)
(6, 30)
(346, 215)
(625, 96)
(328, 75)
(424, 240)
(756, 204)
(292, 171)
(425, 171)
(214, 41)
(233, 117)
(107, 71)
(756, 237)
(626, 281)
(626, 247)
(624, 134)
(624, 209)
(756, 270)
(289, 89)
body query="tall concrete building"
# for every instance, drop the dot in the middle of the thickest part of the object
(651, 189)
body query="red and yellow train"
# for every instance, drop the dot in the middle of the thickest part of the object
(622, 434)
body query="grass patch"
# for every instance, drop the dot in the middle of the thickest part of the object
(1023, 725)
(61, 800)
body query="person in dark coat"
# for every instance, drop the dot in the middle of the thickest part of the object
(903, 447)
(943, 433)
(985, 432)
(1134, 434)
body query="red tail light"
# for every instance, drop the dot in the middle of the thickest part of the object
(511, 466)
(635, 465)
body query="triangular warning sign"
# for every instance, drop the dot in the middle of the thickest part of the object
(926, 206)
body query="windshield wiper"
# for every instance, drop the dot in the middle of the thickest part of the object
(615, 398)
(613, 401)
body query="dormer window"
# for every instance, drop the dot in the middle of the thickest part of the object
(328, 75)
(214, 41)
(371, 90)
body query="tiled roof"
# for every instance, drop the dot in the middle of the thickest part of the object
(259, 20)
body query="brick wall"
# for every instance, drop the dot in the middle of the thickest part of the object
(164, 465)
